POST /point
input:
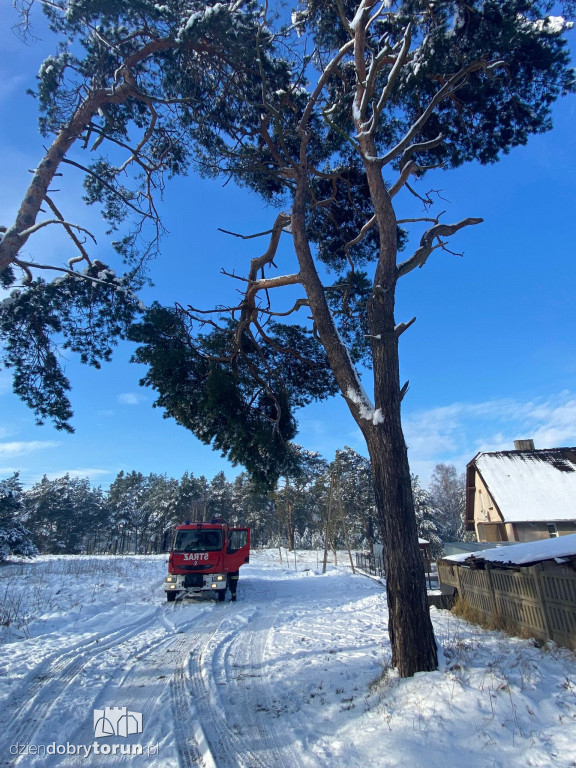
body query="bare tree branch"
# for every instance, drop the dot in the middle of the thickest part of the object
(108, 186)
(394, 72)
(401, 327)
(298, 305)
(453, 84)
(405, 174)
(427, 244)
(83, 252)
(39, 225)
(245, 237)
(361, 235)
(423, 146)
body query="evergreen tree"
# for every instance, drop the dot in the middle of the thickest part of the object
(255, 508)
(356, 488)
(192, 498)
(142, 83)
(62, 513)
(426, 518)
(220, 498)
(161, 503)
(378, 93)
(130, 513)
(15, 538)
(448, 496)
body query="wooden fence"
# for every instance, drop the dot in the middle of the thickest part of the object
(538, 602)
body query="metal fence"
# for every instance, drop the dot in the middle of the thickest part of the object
(370, 563)
(536, 602)
(374, 564)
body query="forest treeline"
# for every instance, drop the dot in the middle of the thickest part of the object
(136, 514)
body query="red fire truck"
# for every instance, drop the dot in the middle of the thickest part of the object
(206, 557)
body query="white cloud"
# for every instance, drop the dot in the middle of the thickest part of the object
(90, 472)
(8, 471)
(131, 398)
(456, 432)
(24, 448)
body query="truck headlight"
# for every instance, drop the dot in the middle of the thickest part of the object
(171, 579)
(220, 577)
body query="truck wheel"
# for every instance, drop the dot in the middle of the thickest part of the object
(221, 595)
(171, 596)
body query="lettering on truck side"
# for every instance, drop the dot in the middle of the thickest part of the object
(196, 556)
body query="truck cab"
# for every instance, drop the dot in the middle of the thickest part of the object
(205, 558)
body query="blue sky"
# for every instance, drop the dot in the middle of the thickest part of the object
(491, 357)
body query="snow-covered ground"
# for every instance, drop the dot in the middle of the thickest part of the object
(295, 673)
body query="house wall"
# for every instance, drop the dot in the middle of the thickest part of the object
(490, 527)
(536, 531)
(488, 522)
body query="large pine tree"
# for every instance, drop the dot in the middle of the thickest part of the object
(330, 116)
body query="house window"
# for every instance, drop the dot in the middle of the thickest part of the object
(552, 530)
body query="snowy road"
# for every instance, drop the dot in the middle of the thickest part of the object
(204, 675)
(285, 677)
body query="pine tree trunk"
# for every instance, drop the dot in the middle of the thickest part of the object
(409, 624)
(410, 627)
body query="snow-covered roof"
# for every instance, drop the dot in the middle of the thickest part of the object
(530, 486)
(522, 554)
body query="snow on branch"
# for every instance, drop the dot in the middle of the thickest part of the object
(365, 408)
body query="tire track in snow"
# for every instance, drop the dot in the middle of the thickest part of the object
(149, 687)
(48, 684)
(248, 666)
(54, 664)
(231, 696)
(203, 691)
(44, 685)
(155, 686)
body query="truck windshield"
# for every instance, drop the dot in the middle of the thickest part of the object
(197, 541)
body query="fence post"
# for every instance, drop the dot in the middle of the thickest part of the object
(492, 593)
(460, 591)
(537, 574)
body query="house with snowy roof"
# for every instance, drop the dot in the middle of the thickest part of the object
(521, 495)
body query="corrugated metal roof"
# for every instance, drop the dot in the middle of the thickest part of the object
(531, 486)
